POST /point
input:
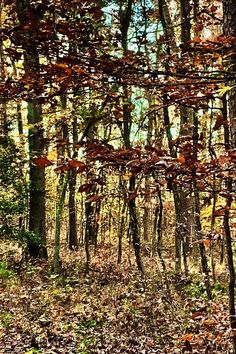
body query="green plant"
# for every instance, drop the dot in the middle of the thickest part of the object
(218, 288)
(33, 351)
(4, 272)
(87, 324)
(195, 290)
(6, 319)
(86, 345)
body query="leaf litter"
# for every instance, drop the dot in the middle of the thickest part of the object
(112, 309)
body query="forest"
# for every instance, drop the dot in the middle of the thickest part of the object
(117, 176)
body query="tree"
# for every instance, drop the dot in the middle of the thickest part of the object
(29, 18)
(229, 28)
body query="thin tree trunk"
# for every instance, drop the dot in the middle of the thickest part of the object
(73, 239)
(63, 181)
(198, 228)
(230, 261)
(229, 28)
(3, 109)
(121, 232)
(125, 15)
(134, 229)
(197, 211)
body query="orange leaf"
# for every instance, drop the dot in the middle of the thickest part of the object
(206, 242)
(187, 337)
(197, 39)
(209, 322)
(41, 161)
(75, 163)
(94, 198)
(181, 159)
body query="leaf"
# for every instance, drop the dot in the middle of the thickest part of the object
(187, 337)
(81, 169)
(94, 198)
(42, 162)
(85, 187)
(181, 159)
(62, 142)
(220, 120)
(209, 322)
(206, 242)
(213, 8)
(62, 168)
(224, 90)
(127, 176)
(221, 211)
(232, 154)
(132, 196)
(196, 39)
(75, 163)
(199, 27)
(150, 343)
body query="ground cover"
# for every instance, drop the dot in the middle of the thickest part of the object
(109, 310)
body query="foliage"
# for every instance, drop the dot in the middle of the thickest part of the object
(117, 135)
(13, 191)
(5, 273)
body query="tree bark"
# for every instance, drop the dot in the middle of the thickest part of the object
(229, 29)
(125, 19)
(37, 208)
(73, 239)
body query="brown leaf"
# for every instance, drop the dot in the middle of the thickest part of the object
(85, 187)
(75, 163)
(220, 120)
(62, 168)
(187, 337)
(94, 198)
(209, 322)
(221, 211)
(42, 162)
(213, 8)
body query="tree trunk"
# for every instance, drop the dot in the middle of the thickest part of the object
(63, 181)
(229, 28)
(37, 209)
(125, 19)
(3, 109)
(73, 239)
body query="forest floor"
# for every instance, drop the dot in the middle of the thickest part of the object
(109, 310)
